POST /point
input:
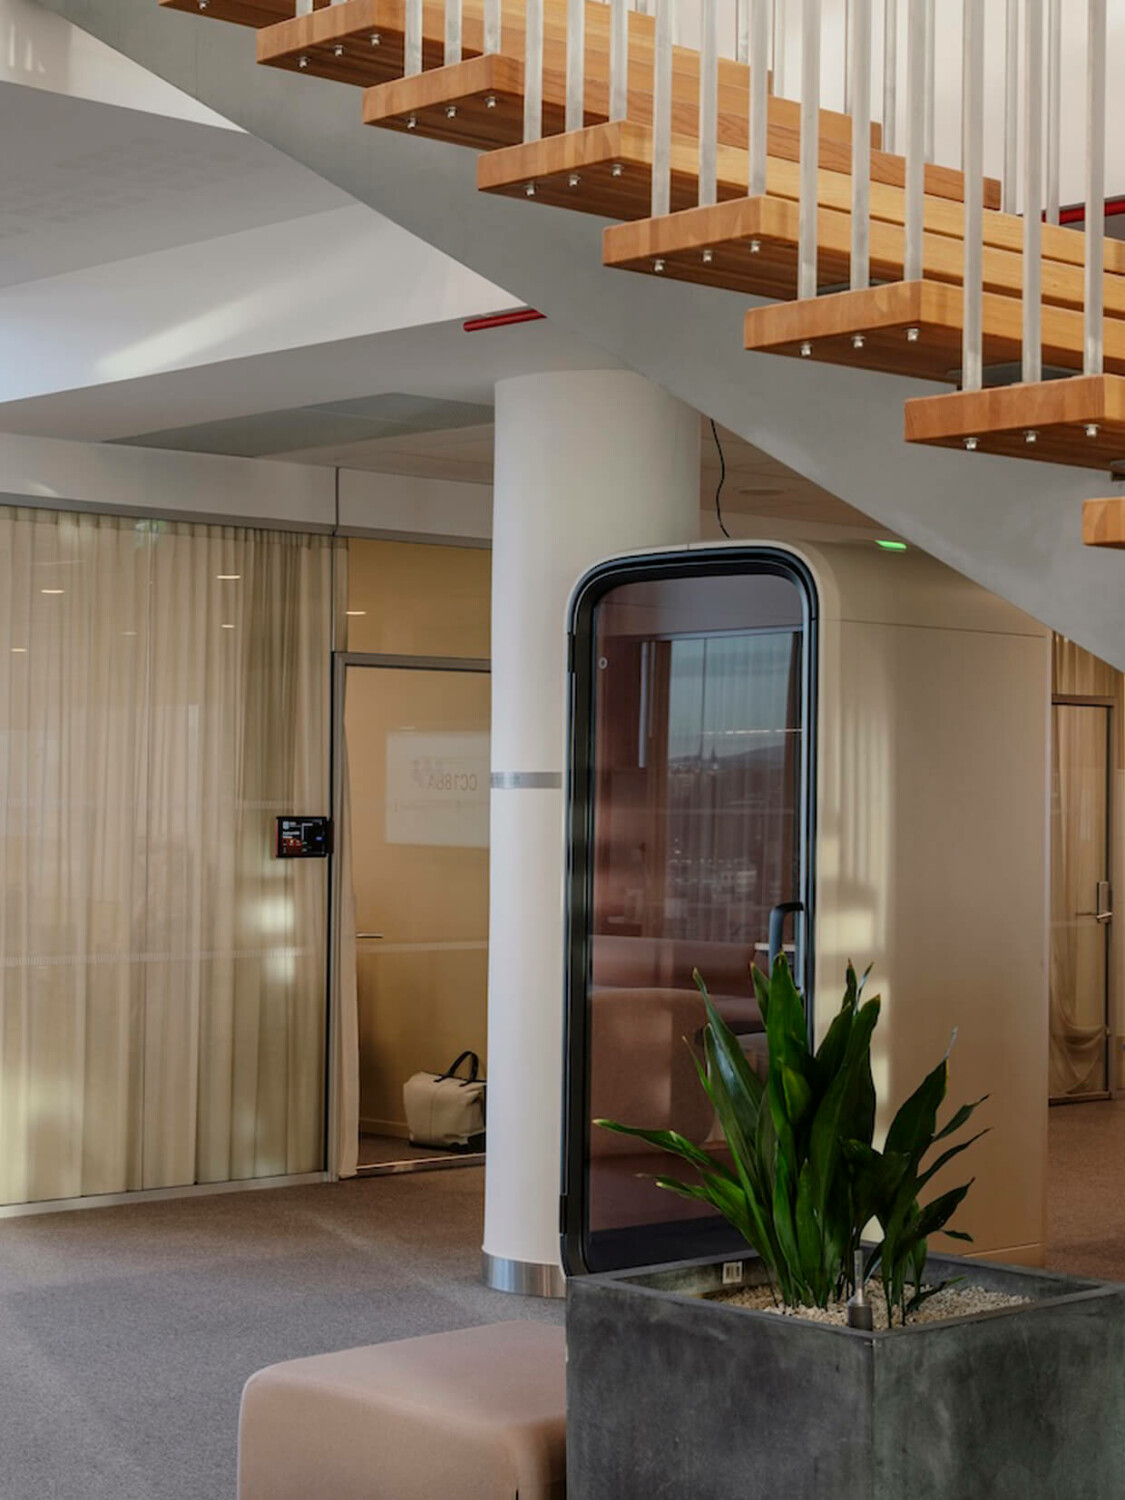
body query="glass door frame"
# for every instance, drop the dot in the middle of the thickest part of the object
(696, 562)
(1094, 700)
(341, 661)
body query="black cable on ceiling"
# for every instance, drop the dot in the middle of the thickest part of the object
(722, 479)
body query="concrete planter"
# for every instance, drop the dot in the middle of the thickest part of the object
(673, 1398)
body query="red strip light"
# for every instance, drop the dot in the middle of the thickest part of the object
(502, 320)
(1076, 213)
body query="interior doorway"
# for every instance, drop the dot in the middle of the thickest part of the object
(1081, 899)
(416, 740)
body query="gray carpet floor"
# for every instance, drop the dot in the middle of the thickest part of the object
(126, 1333)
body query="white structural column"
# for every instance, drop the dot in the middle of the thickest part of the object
(589, 464)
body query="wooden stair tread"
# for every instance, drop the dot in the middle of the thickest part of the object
(317, 37)
(484, 94)
(254, 13)
(605, 170)
(551, 162)
(723, 229)
(713, 247)
(825, 330)
(1103, 522)
(284, 42)
(390, 104)
(1062, 414)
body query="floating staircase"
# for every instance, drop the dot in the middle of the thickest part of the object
(425, 67)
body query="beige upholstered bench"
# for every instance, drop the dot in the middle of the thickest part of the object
(479, 1414)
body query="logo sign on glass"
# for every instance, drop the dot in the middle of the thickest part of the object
(438, 788)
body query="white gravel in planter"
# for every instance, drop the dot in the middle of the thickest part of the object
(953, 1302)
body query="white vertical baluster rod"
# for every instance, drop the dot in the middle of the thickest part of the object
(491, 25)
(807, 280)
(1011, 107)
(742, 31)
(1054, 106)
(575, 64)
(972, 122)
(533, 71)
(860, 69)
(1033, 193)
(915, 137)
(890, 73)
(662, 110)
(779, 46)
(708, 103)
(618, 59)
(412, 40)
(931, 54)
(452, 32)
(759, 96)
(1094, 362)
(847, 56)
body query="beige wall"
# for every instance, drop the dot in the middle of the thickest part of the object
(413, 599)
(1077, 673)
(932, 848)
(423, 986)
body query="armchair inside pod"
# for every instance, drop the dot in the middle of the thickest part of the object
(832, 751)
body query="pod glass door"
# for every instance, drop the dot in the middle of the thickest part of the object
(690, 830)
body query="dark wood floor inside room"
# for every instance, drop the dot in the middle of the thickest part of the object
(1085, 1197)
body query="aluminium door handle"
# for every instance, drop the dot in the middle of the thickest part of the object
(1103, 911)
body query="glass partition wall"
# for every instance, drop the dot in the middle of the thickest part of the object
(690, 824)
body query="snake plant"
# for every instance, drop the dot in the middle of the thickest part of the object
(805, 1178)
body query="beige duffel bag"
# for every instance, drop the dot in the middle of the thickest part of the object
(444, 1110)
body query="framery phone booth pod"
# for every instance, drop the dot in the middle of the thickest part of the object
(835, 751)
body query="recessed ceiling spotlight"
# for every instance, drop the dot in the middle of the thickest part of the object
(228, 577)
(19, 650)
(226, 626)
(52, 591)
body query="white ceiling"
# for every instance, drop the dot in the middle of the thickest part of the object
(93, 183)
(83, 183)
(436, 360)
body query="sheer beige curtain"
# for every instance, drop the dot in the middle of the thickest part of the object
(164, 694)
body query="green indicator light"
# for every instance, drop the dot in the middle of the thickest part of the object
(889, 546)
